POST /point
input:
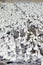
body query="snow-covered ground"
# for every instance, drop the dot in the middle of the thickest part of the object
(21, 31)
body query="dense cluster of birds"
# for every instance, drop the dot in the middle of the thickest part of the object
(21, 32)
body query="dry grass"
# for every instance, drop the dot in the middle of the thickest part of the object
(21, 0)
(37, 0)
(2, 64)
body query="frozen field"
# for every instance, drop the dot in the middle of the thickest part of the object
(21, 33)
